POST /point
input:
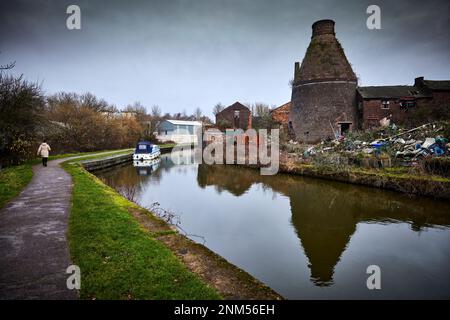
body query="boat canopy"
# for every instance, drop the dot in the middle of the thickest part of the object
(145, 147)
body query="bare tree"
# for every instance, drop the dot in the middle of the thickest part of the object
(7, 66)
(166, 115)
(198, 114)
(261, 116)
(205, 119)
(136, 108)
(156, 111)
(261, 109)
(218, 108)
(89, 100)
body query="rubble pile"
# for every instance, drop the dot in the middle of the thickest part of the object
(404, 146)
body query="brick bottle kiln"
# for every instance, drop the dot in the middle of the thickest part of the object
(324, 89)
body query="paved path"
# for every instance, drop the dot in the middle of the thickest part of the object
(34, 252)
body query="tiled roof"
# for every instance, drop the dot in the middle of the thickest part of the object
(393, 92)
(437, 84)
(287, 104)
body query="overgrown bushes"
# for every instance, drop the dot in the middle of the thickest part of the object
(21, 118)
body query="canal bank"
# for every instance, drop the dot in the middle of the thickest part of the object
(306, 238)
(100, 226)
(397, 179)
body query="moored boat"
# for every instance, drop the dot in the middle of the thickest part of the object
(146, 151)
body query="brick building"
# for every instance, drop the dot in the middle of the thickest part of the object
(398, 102)
(326, 101)
(235, 116)
(280, 114)
(324, 88)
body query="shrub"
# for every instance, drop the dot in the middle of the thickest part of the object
(437, 165)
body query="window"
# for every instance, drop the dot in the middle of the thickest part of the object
(384, 104)
(407, 104)
(142, 147)
(236, 119)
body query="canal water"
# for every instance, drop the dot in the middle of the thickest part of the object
(305, 238)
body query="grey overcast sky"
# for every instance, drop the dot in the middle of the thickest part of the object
(194, 53)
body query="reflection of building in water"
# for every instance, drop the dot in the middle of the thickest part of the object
(215, 175)
(181, 157)
(325, 213)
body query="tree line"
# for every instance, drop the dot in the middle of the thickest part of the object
(70, 122)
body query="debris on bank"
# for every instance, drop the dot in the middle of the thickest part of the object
(382, 147)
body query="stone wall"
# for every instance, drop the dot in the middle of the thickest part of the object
(97, 164)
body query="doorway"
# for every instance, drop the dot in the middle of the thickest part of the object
(344, 127)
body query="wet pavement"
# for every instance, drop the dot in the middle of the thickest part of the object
(34, 249)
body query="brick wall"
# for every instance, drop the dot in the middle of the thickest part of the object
(228, 115)
(372, 111)
(319, 107)
(281, 114)
(441, 98)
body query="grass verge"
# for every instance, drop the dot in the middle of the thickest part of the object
(13, 180)
(118, 258)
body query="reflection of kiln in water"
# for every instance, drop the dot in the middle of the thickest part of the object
(146, 167)
(325, 214)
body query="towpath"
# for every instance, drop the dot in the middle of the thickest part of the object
(34, 250)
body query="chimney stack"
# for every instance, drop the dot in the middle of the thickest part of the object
(418, 82)
(323, 27)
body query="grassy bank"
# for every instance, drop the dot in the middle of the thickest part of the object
(396, 179)
(13, 180)
(118, 258)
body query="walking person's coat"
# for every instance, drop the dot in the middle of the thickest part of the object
(43, 151)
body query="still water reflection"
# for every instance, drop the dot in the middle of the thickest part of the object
(305, 238)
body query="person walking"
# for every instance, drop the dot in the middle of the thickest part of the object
(43, 151)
